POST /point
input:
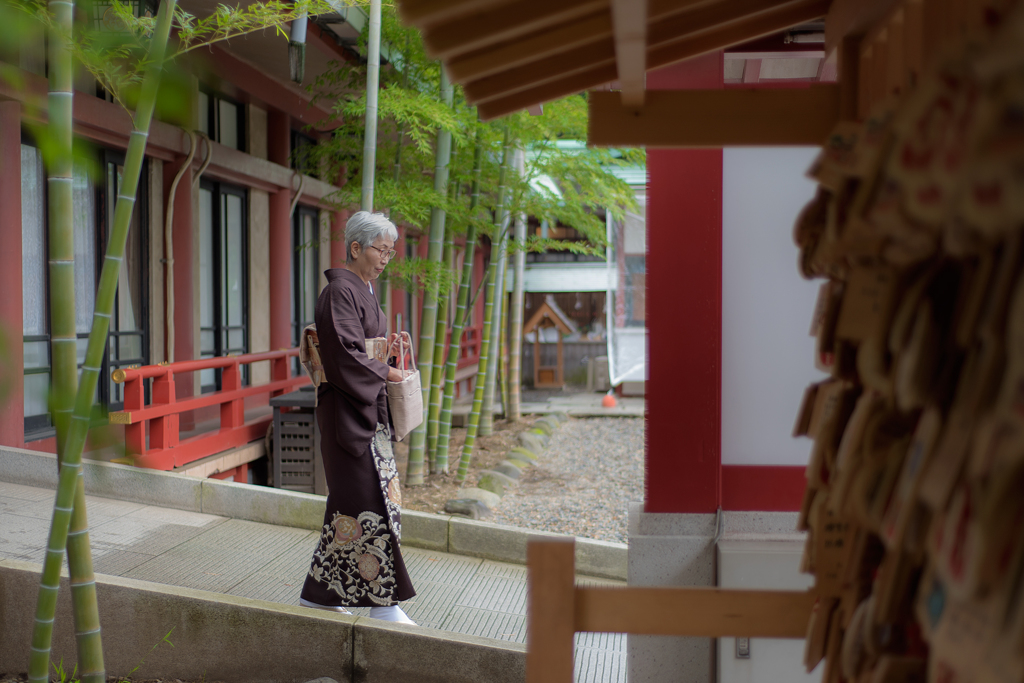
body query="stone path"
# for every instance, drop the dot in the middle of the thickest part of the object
(265, 562)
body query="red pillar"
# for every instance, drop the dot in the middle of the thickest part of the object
(12, 378)
(338, 221)
(684, 295)
(278, 151)
(184, 296)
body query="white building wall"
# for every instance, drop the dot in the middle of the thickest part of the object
(767, 353)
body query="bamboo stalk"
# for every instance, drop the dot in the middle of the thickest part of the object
(485, 341)
(487, 411)
(60, 193)
(370, 117)
(70, 476)
(478, 390)
(64, 339)
(415, 470)
(515, 379)
(445, 418)
(440, 332)
(502, 376)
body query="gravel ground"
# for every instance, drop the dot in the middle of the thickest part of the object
(582, 484)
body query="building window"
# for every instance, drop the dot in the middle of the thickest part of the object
(303, 155)
(35, 281)
(127, 340)
(34, 292)
(222, 119)
(223, 277)
(305, 271)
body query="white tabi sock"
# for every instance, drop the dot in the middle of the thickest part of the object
(392, 613)
(329, 608)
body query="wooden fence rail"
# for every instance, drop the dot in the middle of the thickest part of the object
(557, 609)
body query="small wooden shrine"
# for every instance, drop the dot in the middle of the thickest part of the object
(548, 316)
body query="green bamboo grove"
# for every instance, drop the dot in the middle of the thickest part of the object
(417, 441)
(459, 324)
(91, 660)
(485, 341)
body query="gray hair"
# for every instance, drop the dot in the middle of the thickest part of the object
(365, 227)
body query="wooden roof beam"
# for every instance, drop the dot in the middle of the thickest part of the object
(550, 91)
(556, 85)
(536, 74)
(706, 17)
(737, 32)
(532, 48)
(505, 56)
(629, 21)
(675, 27)
(426, 13)
(504, 23)
(715, 118)
(853, 17)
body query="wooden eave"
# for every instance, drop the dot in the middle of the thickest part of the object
(512, 54)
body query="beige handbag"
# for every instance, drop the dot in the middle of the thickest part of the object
(309, 355)
(405, 400)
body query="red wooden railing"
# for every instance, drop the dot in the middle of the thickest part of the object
(469, 353)
(469, 350)
(165, 451)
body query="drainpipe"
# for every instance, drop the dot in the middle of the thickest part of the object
(168, 235)
(169, 250)
(372, 84)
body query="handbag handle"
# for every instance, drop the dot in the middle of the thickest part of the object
(402, 339)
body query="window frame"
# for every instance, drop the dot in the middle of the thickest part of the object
(298, 270)
(213, 120)
(220, 346)
(140, 214)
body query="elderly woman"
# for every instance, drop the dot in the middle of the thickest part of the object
(358, 562)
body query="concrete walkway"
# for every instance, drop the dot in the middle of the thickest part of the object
(248, 559)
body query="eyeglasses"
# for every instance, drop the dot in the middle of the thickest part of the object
(384, 255)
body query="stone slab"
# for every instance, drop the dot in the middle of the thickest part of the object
(432, 604)
(467, 507)
(508, 544)
(531, 442)
(263, 504)
(497, 482)
(143, 535)
(489, 541)
(485, 623)
(520, 453)
(509, 469)
(385, 653)
(425, 530)
(488, 498)
(495, 594)
(602, 558)
(438, 567)
(600, 657)
(108, 480)
(216, 637)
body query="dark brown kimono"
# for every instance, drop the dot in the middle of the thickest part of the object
(358, 561)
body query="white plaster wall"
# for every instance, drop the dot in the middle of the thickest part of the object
(767, 354)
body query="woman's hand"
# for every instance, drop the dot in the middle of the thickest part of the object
(395, 375)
